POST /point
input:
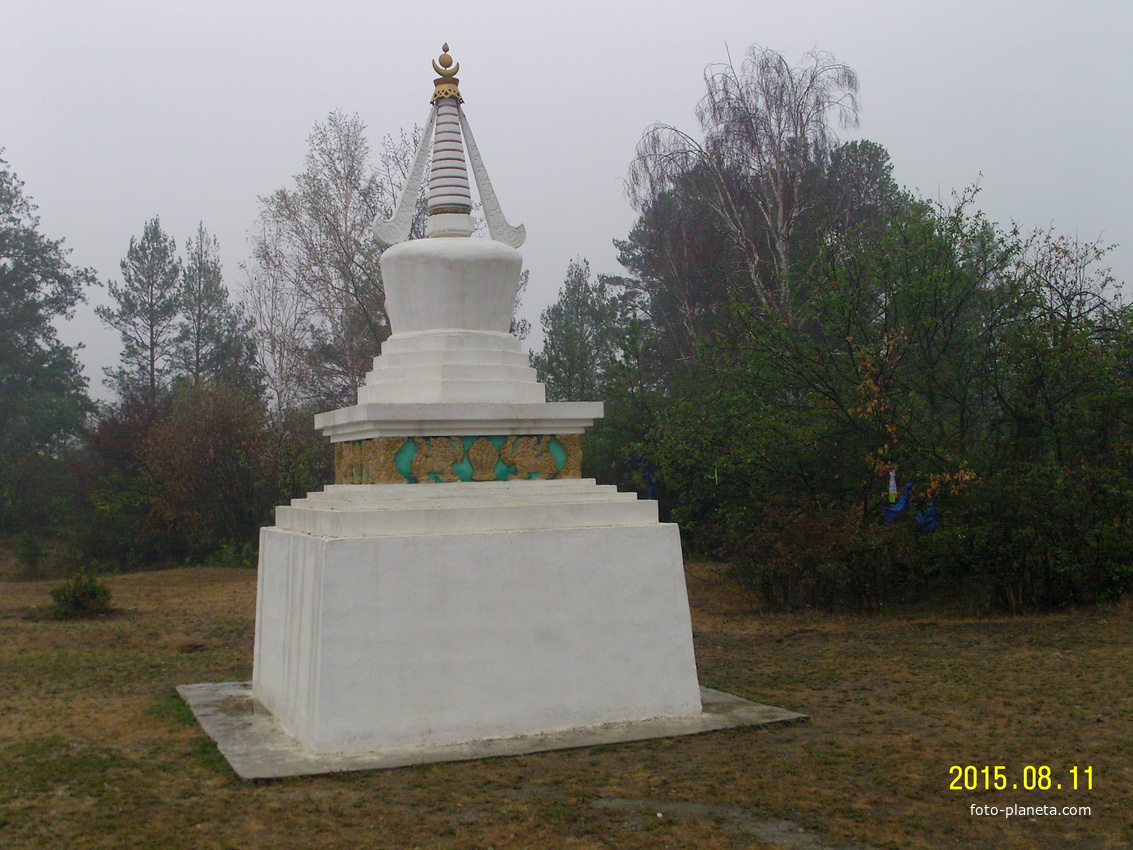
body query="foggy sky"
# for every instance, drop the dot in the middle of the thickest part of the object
(116, 111)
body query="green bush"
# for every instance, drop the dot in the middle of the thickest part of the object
(81, 596)
(29, 551)
(803, 557)
(233, 557)
(1033, 538)
(1039, 538)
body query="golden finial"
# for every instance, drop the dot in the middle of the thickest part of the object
(446, 85)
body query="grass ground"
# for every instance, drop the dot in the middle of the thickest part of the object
(96, 751)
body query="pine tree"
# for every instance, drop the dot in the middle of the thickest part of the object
(213, 336)
(580, 333)
(148, 302)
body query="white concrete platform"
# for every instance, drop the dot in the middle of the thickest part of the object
(368, 643)
(256, 746)
(417, 616)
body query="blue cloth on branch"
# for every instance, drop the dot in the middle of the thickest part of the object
(647, 473)
(891, 512)
(929, 518)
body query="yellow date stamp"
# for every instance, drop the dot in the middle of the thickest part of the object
(1033, 777)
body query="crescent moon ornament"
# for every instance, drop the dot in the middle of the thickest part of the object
(446, 72)
(446, 84)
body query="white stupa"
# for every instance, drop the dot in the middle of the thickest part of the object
(460, 581)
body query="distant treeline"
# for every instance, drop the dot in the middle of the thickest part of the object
(792, 326)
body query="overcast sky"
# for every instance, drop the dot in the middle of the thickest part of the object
(115, 111)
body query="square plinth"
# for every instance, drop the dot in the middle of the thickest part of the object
(256, 746)
(432, 640)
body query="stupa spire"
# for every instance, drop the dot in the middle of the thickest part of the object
(449, 195)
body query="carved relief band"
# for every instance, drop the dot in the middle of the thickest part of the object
(367, 461)
(430, 460)
(435, 456)
(531, 457)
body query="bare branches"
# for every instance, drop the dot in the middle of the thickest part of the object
(282, 330)
(314, 279)
(1065, 278)
(767, 126)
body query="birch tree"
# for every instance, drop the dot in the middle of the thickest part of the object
(315, 286)
(767, 130)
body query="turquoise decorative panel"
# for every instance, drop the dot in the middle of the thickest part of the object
(404, 458)
(532, 456)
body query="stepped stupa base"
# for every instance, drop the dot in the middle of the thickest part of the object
(408, 616)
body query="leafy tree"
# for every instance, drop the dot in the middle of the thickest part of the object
(801, 326)
(148, 303)
(683, 271)
(43, 401)
(858, 189)
(119, 524)
(183, 341)
(884, 362)
(209, 462)
(1061, 356)
(201, 478)
(213, 338)
(300, 459)
(580, 337)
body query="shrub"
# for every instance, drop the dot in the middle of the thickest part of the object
(81, 596)
(233, 557)
(803, 556)
(1040, 538)
(29, 551)
(1033, 538)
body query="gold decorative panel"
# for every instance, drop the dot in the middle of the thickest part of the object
(531, 457)
(367, 461)
(436, 455)
(426, 460)
(572, 445)
(483, 456)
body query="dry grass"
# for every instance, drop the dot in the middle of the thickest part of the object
(96, 751)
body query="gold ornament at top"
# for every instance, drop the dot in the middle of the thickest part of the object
(447, 85)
